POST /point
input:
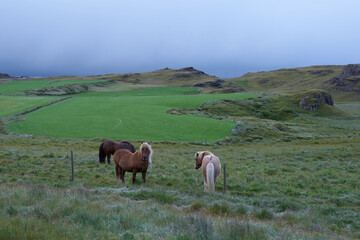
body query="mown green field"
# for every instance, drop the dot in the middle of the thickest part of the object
(22, 85)
(129, 115)
(10, 105)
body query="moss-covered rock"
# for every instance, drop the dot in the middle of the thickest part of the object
(313, 99)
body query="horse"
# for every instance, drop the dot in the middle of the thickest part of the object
(109, 147)
(125, 161)
(211, 168)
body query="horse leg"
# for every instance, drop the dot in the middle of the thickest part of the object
(134, 176)
(205, 186)
(144, 176)
(117, 172)
(108, 158)
(122, 175)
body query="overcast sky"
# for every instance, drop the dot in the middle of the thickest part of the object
(221, 37)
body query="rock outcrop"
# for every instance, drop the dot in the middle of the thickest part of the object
(348, 80)
(188, 72)
(313, 99)
(215, 84)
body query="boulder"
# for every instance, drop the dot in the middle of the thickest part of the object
(313, 99)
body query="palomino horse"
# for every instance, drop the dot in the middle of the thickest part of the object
(125, 161)
(211, 168)
(109, 147)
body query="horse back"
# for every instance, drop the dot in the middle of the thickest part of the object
(129, 161)
(215, 160)
(124, 145)
(108, 147)
(122, 157)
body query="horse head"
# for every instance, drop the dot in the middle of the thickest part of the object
(198, 159)
(146, 152)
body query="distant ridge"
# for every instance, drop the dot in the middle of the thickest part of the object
(342, 81)
(4, 75)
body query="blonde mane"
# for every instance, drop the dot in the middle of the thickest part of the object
(145, 144)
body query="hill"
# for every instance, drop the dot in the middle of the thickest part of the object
(341, 81)
(184, 77)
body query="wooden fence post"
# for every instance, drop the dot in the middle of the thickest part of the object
(224, 177)
(72, 165)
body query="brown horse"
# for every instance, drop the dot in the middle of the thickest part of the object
(211, 168)
(125, 161)
(109, 147)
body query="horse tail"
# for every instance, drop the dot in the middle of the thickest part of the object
(210, 172)
(101, 154)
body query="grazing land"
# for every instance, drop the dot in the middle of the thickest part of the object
(21, 85)
(291, 173)
(128, 115)
(10, 105)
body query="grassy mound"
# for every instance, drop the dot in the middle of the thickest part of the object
(267, 118)
(279, 108)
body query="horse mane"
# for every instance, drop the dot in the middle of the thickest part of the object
(145, 144)
(203, 154)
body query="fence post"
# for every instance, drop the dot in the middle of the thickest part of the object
(72, 165)
(224, 177)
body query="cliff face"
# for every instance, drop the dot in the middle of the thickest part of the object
(348, 80)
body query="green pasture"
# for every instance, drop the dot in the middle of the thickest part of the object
(10, 105)
(22, 85)
(129, 115)
(287, 190)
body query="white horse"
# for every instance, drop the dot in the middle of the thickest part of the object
(211, 168)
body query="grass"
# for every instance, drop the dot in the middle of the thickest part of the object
(10, 105)
(264, 194)
(287, 177)
(22, 85)
(38, 212)
(295, 79)
(128, 115)
(284, 80)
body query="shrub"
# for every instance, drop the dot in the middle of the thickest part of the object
(218, 209)
(264, 214)
(241, 210)
(196, 206)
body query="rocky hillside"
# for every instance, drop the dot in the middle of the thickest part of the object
(347, 81)
(342, 82)
(184, 77)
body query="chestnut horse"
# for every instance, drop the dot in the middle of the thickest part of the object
(211, 168)
(125, 161)
(109, 147)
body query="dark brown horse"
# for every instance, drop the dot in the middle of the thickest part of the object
(125, 161)
(109, 147)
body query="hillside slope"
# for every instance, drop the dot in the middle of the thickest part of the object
(341, 81)
(184, 77)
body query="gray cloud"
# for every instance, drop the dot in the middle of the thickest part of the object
(223, 38)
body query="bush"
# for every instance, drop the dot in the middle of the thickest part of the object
(264, 214)
(218, 209)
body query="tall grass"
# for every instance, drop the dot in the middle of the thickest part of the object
(312, 187)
